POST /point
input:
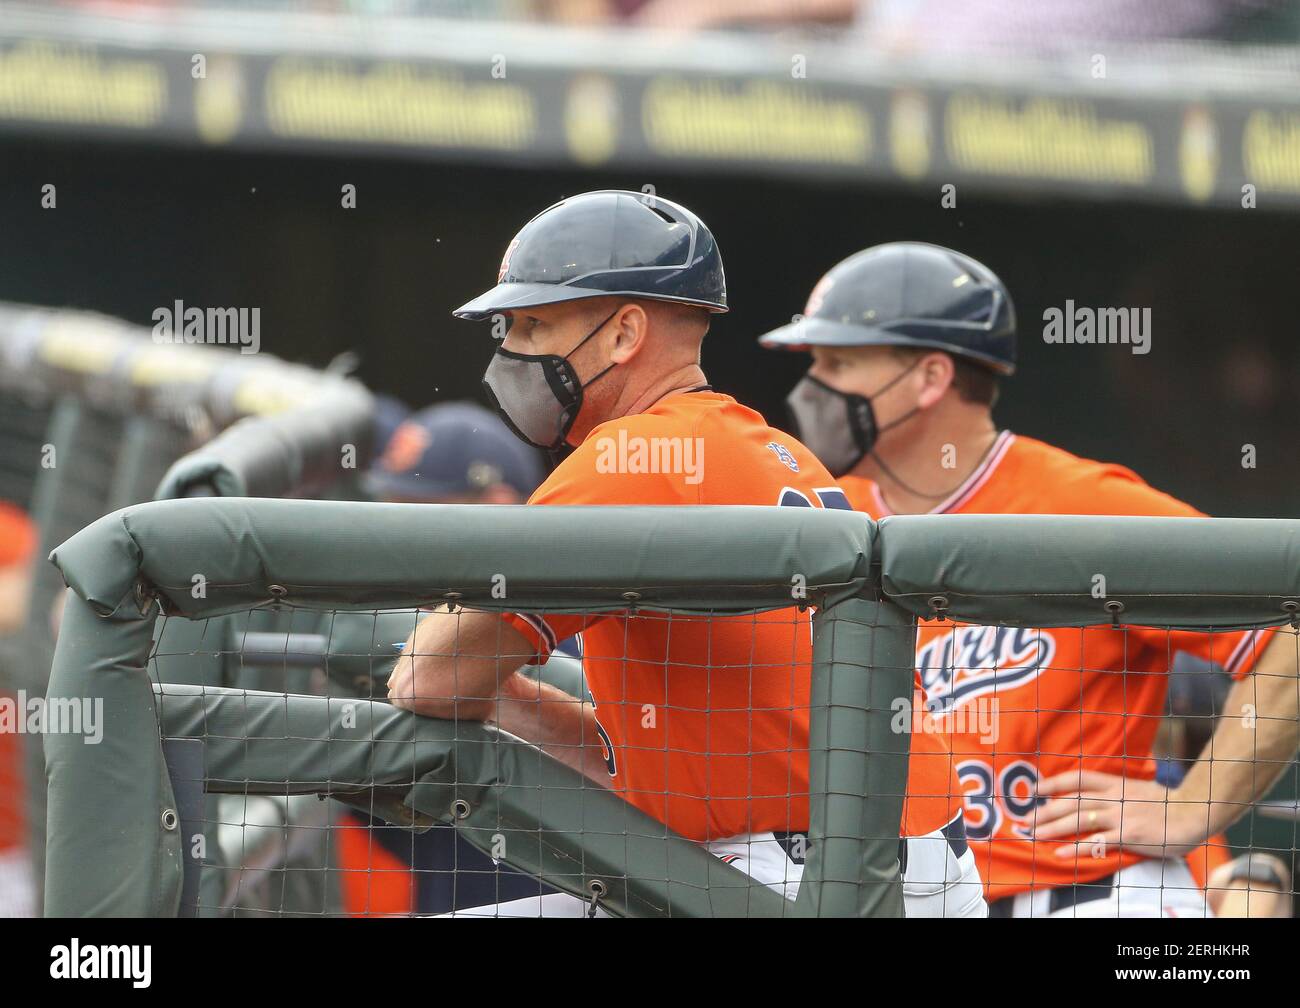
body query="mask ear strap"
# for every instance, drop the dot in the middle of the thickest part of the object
(591, 334)
(894, 423)
(906, 416)
(892, 381)
(599, 376)
(592, 381)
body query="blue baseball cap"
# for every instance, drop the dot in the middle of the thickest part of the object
(453, 449)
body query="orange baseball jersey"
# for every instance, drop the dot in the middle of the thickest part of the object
(1026, 704)
(705, 720)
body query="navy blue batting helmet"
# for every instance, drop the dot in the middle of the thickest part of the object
(607, 242)
(909, 294)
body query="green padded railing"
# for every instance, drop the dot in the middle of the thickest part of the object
(109, 855)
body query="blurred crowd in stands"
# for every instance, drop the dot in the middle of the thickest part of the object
(899, 25)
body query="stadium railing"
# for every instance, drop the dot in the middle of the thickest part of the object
(122, 814)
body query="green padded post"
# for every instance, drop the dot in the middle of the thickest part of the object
(863, 663)
(109, 849)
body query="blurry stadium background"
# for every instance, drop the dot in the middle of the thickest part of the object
(354, 171)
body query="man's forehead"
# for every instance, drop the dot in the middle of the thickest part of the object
(576, 308)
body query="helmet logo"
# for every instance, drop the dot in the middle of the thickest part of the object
(818, 295)
(505, 260)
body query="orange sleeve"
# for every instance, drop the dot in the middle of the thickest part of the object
(545, 632)
(17, 536)
(1121, 491)
(1116, 490)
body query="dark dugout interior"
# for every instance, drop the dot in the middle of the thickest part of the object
(139, 227)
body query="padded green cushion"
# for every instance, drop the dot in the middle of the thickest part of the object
(1040, 570)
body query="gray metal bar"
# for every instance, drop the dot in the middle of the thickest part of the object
(299, 649)
(184, 759)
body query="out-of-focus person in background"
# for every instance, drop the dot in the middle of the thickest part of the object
(454, 453)
(451, 453)
(959, 25)
(17, 545)
(1052, 25)
(1255, 884)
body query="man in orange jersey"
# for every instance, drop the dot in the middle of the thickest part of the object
(701, 723)
(908, 341)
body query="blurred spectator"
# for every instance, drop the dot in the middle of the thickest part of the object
(690, 15)
(455, 453)
(390, 413)
(901, 25)
(1253, 885)
(1030, 25)
(17, 545)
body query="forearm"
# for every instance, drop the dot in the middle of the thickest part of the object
(452, 664)
(1254, 742)
(562, 726)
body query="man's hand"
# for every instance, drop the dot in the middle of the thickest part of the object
(1102, 808)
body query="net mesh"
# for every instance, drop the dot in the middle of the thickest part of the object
(703, 720)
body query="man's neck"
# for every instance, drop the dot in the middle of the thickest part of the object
(684, 379)
(929, 471)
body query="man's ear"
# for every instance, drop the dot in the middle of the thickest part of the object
(938, 371)
(629, 327)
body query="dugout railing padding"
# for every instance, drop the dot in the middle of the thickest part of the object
(110, 855)
(111, 851)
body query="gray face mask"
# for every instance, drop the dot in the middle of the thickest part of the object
(838, 427)
(539, 396)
